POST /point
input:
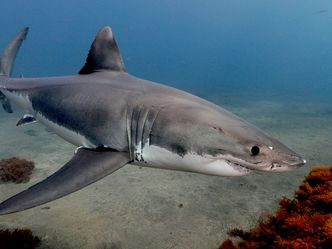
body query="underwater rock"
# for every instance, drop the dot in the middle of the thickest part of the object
(18, 239)
(304, 222)
(15, 170)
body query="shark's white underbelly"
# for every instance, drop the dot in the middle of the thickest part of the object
(71, 136)
(157, 157)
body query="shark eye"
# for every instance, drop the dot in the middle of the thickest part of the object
(254, 150)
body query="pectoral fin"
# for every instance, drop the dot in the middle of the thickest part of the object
(87, 166)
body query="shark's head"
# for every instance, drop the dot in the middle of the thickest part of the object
(255, 150)
(242, 144)
(225, 139)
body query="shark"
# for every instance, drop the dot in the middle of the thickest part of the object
(115, 119)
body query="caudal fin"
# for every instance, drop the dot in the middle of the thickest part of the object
(9, 55)
(7, 61)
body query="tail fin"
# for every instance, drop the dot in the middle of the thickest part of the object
(9, 55)
(7, 61)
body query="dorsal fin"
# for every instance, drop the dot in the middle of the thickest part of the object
(104, 54)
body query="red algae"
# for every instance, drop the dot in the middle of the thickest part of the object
(304, 222)
(15, 170)
(18, 239)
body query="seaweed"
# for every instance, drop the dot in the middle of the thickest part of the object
(18, 239)
(303, 222)
(15, 170)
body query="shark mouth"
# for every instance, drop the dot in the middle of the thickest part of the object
(260, 166)
(238, 167)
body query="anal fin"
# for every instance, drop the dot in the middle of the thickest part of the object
(26, 119)
(87, 166)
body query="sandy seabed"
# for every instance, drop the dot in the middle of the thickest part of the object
(151, 208)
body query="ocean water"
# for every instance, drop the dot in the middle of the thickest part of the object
(270, 62)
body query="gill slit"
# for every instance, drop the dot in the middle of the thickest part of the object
(137, 126)
(152, 124)
(143, 131)
(129, 112)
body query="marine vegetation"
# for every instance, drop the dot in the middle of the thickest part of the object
(15, 170)
(303, 222)
(18, 239)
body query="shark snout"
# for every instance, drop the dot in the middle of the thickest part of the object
(294, 163)
(298, 162)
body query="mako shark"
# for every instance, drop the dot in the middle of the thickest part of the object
(116, 119)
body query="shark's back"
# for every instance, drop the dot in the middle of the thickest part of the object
(98, 106)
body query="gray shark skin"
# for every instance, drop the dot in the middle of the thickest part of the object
(117, 119)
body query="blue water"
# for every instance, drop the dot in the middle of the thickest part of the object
(200, 44)
(268, 61)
